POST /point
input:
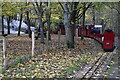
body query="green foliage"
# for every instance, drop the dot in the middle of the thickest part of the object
(33, 16)
(9, 9)
(56, 13)
(54, 26)
(2, 71)
(73, 68)
(98, 6)
(19, 60)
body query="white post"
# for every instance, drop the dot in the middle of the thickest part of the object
(59, 33)
(76, 32)
(4, 47)
(47, 40)
(33, 43)
(4, 51)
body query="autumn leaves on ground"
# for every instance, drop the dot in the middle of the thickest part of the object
(52, 61)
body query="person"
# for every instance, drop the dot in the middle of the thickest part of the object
(87, 30)
(97, 31)
(108, 30)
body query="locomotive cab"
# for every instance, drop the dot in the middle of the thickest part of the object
(108, 42)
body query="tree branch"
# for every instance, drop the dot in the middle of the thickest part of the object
(114, 9)
(37, 6)
(71, 7)
(35, 9)
(90, 4)
(65, 7)
(61, 5)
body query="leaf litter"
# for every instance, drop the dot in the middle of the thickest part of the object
(57, 62)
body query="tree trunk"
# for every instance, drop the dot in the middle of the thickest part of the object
(103, 27)
(73, 17)
(2, 25)
(15, 17)
(48, 25)
(28, 22)
(119, 24)
(39, 11)
(20, 24)
(69, 36)
(41, 28)
(8, 22)
(93, 15)
(83, 23)
(48, 14)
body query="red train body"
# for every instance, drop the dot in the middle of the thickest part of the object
(92, 32)
(108, 42)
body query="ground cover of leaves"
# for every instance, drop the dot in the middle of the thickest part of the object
(55, 62)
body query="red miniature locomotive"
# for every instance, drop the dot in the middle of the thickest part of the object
(108, 42)
(94, 31)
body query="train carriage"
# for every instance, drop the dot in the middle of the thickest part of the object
(95, 32)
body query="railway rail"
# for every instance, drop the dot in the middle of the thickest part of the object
(97, 68)
(100, 71)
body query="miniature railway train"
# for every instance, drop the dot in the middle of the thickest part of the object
(94, 32)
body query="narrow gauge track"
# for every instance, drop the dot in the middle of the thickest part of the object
(100, 71)
(95, 66)
(89, 71)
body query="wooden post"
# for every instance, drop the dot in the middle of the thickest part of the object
(4, 52)
(59, 33)
(33, 43)
(47, 36)
(4, 47)
(76, 33)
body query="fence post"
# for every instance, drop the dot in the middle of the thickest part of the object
(33, 42)
(76, 33)
(59, 33)
(47, 41)
(4, 52)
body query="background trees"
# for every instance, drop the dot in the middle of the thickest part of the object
(8, 10)
(49, 15)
